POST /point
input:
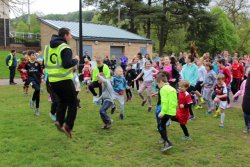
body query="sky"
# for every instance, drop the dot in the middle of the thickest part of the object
(51, 7)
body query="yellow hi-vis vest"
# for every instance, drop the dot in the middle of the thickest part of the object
(53, 64)
(10, 60)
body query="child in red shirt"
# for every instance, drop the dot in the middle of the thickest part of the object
(24, 74)
(238, 76)
(184, 103)
(86, 72)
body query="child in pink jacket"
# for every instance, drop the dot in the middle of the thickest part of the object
(241, 92)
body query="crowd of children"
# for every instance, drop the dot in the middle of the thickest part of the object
(180, 84)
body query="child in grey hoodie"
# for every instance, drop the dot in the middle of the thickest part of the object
(106, 99)
(209, 85)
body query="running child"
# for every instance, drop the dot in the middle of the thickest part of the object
(77, 84)
(168, 108)
(34, 78)
(106, 99)
(119, 84)
(184, 103)
(130, 75)
(209, 85)
(24, 74)
(198, 87)
(148, 73)
(221, 98)
(86, 72)
(226, 72)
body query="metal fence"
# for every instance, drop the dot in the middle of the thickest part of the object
(28, 39)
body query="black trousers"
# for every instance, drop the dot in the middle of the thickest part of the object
(163, 128)
(54, 98)
(94, 85)
(12, 73)
(235, 85)
(183, 127)
(36, 94)
(67, 102)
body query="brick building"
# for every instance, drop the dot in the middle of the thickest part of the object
(98, 39)
(4, 23)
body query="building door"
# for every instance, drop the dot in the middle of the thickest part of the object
(117, 51)
(143, 51)
(87, 48)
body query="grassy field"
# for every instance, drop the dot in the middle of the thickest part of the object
(4, 71)
(29, 141)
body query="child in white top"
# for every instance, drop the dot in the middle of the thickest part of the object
(147, 73)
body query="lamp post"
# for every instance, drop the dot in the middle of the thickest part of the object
(80, 31)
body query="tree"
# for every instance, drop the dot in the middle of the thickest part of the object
(234, 8)
(225, 37)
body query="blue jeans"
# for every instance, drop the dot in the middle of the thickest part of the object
(247, 120)
(103, 113)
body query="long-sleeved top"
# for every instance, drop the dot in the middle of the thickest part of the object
(21, 67)
(201, 73)
(241, 92)
(107, 90)
(190, 73)
(169, 100)
(119, 83)
(227, 75)
(237, 70)
(34, 71)
(130, 75)
(210, 79)
(76, 82)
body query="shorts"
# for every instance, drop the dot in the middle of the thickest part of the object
(198, 86)
(223, 104)
(148, 86)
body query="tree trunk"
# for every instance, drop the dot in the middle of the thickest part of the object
(162, 40)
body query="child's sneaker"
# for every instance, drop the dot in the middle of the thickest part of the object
(186, 138)
(149, 109)
(246, 130)
(107, 126)
(52, 117)
(113, 109)
(217, 113)
(228, 106)
(32, 104)
(37, 112)
(49, 99)
(209, 112)
(202, 100)
(221, 125)
(166, 147)
(198, 107)
(143, 102)
(121, 116)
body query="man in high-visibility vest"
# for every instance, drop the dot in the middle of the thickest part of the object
(11, 62)
(59, 61)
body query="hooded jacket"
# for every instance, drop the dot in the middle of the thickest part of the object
(66, 54)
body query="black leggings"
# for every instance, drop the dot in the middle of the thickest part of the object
(128, 93)
(94, 85)
(163, 129)
(235, 85)
(36, 94)
(183, 127)
(54, 99)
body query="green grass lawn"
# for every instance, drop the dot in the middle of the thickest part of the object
(4, 70)
(29, 141)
